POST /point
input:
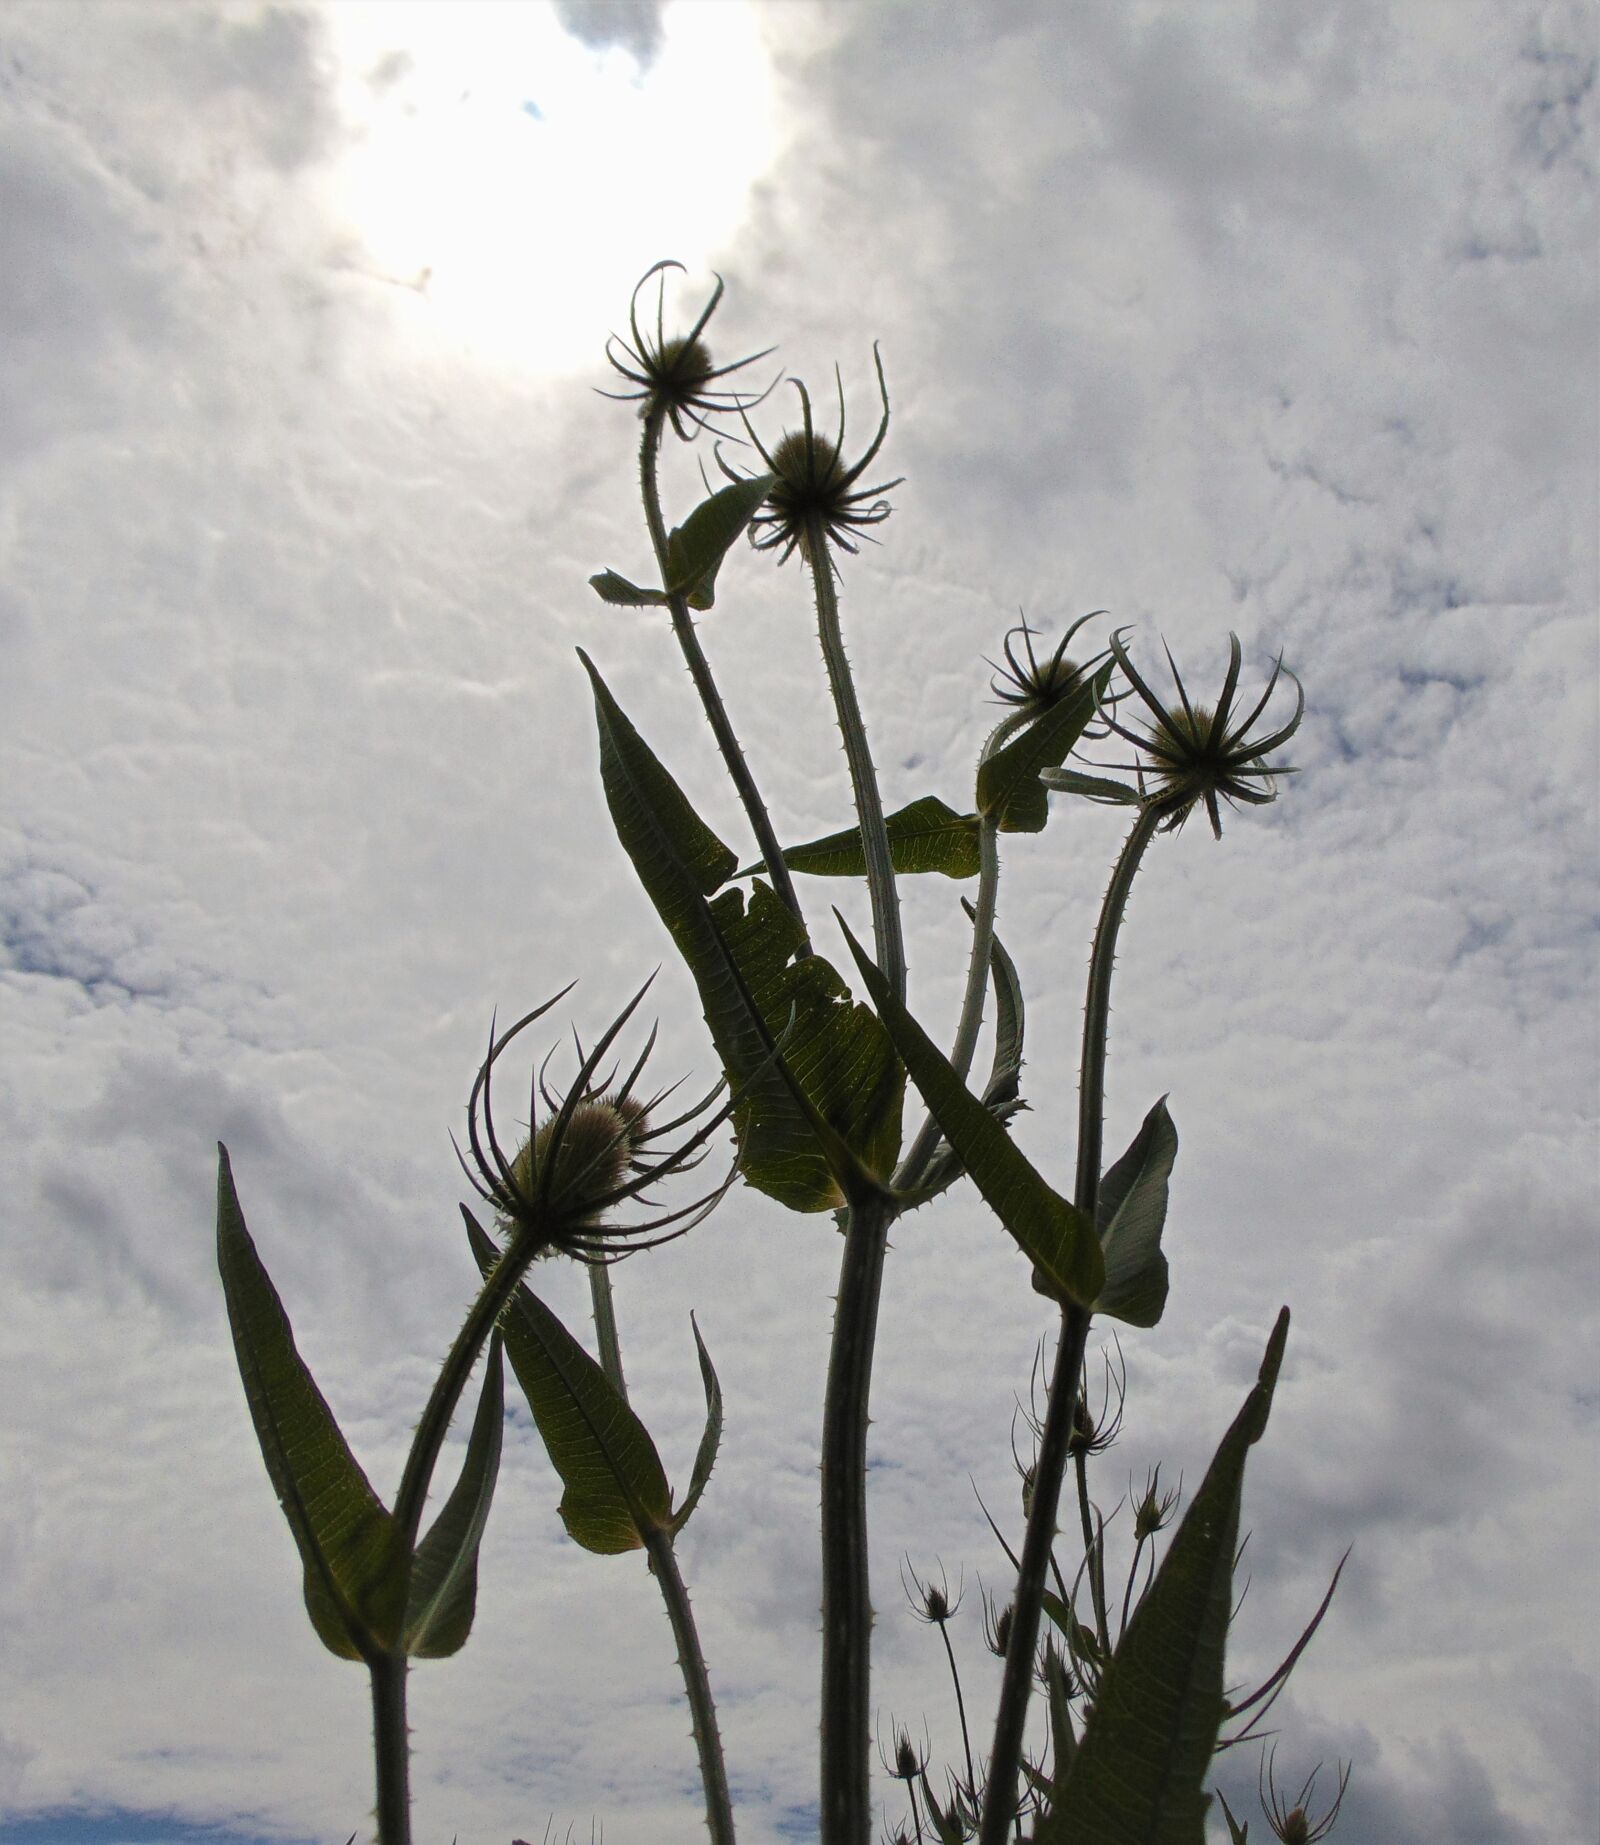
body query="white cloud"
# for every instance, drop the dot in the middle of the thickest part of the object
(1278, 325)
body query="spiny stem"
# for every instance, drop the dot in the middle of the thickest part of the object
(663, 1563)
(887, 939)
(697, 1684)
(1005, 1758)
(391, 1748)
(1054, 1443)
(710, 698)
(1097, 1012)
(846, 1811)
(451, 1381)
(1133, 1572)
(605, 1326)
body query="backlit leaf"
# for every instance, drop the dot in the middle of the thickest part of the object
(695, 549)
(444, 1571)
(1139, 1773)
(1130, 1213)
(352, 1552)
(832, 1104)
(1008, 781)
(1055, 1236)
(616, 1489)
(925, 835)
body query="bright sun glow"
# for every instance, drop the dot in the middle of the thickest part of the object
(520, 181)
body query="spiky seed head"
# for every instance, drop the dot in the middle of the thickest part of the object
(592, 1156)
(674, 375)
(815, 492)
(1201, 754)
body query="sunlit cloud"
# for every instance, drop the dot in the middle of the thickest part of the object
(517, 179)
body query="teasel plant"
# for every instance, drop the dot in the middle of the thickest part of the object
(814, 1082)
(375, 1590)
(817, 502)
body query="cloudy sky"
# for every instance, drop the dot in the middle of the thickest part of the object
(1272, 318)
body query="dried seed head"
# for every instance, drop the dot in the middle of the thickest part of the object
(591, 1158)
(1198, 754)
(673, 374)
(930, 1601)
(596, 1150)
(997, 1625)
(815, 493)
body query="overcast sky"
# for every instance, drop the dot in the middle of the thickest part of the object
(1272, 318)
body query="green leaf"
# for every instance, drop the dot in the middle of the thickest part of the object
(354, 1555)
(706, 1455)
(1131, 1211)
(1093, 787)
(1237, 1834)
(444, 1571)
(616, 1489)
(695, 549)
(618, 591)
(925, 835)
(1146, 1750)
(1005, 1069)
(1055, 1236)
(1002, 1092)
(1063, 1738)
(1008, 781)
(810, 1121)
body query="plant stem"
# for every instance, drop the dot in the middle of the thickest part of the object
(1127, 1594)
(971, 1020)
(1054, 1443)
(497, 1289)
(697, 1684)
(1097, 1012)
(605, 1326)
(999, 1799)
(391, 1748)
(887, 939)
(846, 1584)
(846, 1814)
(1094, 1562)
(664, 1567)
(961, 1703)
(710, 698)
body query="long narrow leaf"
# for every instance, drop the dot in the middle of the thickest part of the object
(444, 1571)
(616, 1489)
(352, 1552)
(1055, 1236)
(1005, 1070)
(832, 1106)
(1130, 1213)
(711, 1438)
(1146, 1750)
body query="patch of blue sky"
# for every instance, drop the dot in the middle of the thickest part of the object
(119, 1826)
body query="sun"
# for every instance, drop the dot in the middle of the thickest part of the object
(517, 181)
